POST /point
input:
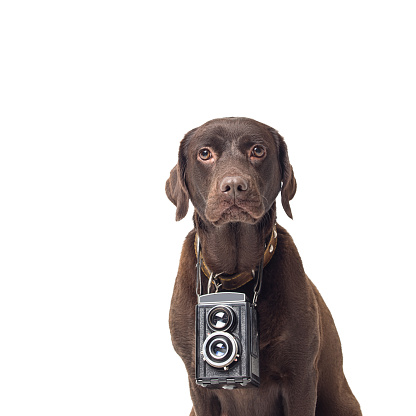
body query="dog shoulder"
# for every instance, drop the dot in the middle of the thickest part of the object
(184, 288)
(286, 249)
(188, 254)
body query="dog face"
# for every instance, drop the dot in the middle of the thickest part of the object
(232, 169)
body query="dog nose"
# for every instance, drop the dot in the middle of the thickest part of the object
(233, 185)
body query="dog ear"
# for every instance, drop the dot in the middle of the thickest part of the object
(177, 194)
(176, 188)
(288, 178)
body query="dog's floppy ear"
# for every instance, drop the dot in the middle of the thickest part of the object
(176, 188)
(288, 178)
(177, 194)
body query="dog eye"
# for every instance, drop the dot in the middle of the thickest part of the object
(205, 154)
(258, 151)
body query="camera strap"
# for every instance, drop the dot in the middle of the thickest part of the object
(198, 268)
(259, 281)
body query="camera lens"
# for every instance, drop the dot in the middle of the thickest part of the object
(220, 349)
(220, 318)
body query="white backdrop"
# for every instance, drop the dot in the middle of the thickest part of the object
(95, 97)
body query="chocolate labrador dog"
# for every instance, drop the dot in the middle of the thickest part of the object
(232, 170)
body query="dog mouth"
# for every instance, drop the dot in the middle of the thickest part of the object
(224, 212)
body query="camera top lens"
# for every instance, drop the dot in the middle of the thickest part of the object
(220, 318)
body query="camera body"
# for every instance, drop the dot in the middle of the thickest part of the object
(227, 342)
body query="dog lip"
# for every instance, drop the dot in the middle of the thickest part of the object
(245, 205)
(234, 208)
(243, 210)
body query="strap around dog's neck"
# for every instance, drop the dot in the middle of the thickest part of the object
(234, 281)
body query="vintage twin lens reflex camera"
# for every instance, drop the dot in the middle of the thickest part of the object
(227, 342)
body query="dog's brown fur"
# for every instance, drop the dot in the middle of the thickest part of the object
(300, 352)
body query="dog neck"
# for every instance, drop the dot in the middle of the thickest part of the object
(234, 247)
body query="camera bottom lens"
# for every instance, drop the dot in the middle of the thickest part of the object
(220, 349)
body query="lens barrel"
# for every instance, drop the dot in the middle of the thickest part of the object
(220, 349)
(221, 318)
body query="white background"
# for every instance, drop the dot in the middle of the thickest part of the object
(95, 97)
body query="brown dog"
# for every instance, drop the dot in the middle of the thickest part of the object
(232, 170)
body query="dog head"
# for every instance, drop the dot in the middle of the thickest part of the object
(232, 170)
